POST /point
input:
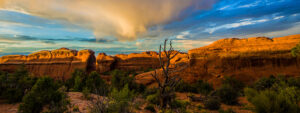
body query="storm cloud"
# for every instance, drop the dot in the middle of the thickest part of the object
(124, 19)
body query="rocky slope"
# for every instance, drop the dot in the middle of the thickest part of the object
(58, 63)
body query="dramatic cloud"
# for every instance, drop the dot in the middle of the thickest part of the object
(124, 19)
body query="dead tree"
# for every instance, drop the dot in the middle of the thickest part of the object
(166, 82)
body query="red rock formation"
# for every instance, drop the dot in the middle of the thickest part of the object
(58, 63)
(104, 63)
(133, 61)
(244, 59)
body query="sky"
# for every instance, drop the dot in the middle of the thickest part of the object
(127, 26)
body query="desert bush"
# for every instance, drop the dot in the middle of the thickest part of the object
(86, 93)
(120, 78)
(198, 87)
(294, 82)
(282, 100)
(76, 109)
(15, 85)
(153, 98)
(212, 103)
(265, 83)
(150, 107)
(179, 105)
(95, 84)
(227, 94)
(199, 107)
(77, 81)
(296, 51)
(45, 92)
(234, 83)
(120, 100)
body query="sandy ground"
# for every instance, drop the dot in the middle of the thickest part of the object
(8, 108)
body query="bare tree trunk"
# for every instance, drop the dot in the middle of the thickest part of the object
(167, 83)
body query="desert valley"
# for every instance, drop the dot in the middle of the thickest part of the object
(239, 61)
(149, 56)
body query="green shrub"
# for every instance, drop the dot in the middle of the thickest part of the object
(77, 81)
(95, 84)
(294, 82)
(148, 70)
(150, 107)
(199, 107)
(15, 85)
(150, 91)
(269, 101)
(265, 83)
(86, 93)
(76, 109)
(179, 104)
(120, 79)
(203, 87)
(212, 103)
(296, 51)
(120, 100)
(234, 83)
(153, 98)
(44, 92)
(227, 94)
(185, 87)
(198, 87)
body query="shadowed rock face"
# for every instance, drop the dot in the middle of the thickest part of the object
(58, 63)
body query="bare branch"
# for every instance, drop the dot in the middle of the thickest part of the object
(156, 78)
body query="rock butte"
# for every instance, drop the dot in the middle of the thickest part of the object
(245, 59)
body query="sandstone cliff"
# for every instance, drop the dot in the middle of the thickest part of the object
(58, 63)
(134, 61)
(244, 59)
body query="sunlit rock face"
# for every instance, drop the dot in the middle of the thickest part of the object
(58, 63)
(245, 59)
(134, 61)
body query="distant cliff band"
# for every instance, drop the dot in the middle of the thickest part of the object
(245, 59)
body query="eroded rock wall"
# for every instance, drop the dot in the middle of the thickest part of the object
(245, 59)
(134, 61)
(58, 63)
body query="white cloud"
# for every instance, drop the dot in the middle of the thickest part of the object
(235, 25)
(278, 17)
(225, 7)
(295, 14)
(191, 44)
(182, 35)
(250, 5)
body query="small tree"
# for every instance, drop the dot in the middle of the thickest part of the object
(296, 51)
(166, 82)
